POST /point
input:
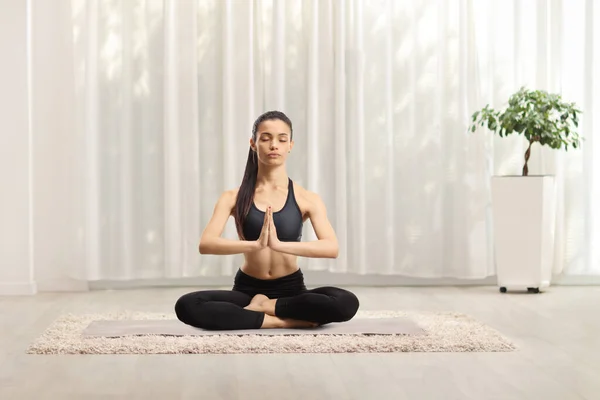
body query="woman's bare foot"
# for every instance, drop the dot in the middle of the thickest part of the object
(255, 303)
(262, 303)
(275, 322)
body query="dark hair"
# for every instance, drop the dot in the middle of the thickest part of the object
(245, 195)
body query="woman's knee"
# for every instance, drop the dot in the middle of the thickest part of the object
(182, 306)
(186, 307)
(348, 305)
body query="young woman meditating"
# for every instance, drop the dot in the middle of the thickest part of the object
(269, 210)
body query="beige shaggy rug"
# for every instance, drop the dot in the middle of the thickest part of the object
(444, 332)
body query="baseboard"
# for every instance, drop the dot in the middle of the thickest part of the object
(18, 289)
(312, 278)
(576, 280)
(62, 285)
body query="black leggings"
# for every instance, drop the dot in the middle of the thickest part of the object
(224, 309)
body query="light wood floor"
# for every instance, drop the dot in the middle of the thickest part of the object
(558, 335)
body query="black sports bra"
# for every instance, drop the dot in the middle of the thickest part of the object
(288, 221)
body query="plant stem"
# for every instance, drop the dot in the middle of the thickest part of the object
(527, 154)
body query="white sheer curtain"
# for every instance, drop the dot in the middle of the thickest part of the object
(380, 93)
(552, 45)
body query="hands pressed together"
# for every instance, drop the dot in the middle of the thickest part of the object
(268, 234)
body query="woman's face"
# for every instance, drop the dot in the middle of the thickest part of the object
(273, 142)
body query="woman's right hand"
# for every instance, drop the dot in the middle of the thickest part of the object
(263, 239)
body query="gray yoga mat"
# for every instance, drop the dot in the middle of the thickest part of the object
(366, 326)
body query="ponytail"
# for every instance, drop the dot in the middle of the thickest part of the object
(245, 195)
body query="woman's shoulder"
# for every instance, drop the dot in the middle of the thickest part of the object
(227, 200)
(305, 196)
(228, 197)
(301, 191)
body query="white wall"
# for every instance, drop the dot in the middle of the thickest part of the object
(15, 273)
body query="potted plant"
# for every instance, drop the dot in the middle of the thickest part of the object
(523, 206)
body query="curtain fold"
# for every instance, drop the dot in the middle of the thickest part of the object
(380, 94)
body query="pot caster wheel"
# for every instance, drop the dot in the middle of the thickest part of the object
(533, 290)
(502, 289)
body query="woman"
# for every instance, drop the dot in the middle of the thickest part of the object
(269, 210)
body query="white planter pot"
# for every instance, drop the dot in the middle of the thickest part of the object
(524, 218)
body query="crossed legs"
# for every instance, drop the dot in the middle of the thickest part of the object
(229, 310)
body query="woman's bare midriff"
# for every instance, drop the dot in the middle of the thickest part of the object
(269, 264)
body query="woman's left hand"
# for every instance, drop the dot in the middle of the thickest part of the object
(273, 239)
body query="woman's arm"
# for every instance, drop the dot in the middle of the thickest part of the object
(211, 241)
(325, 247)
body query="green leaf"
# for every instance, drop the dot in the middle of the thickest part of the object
(537, 115)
